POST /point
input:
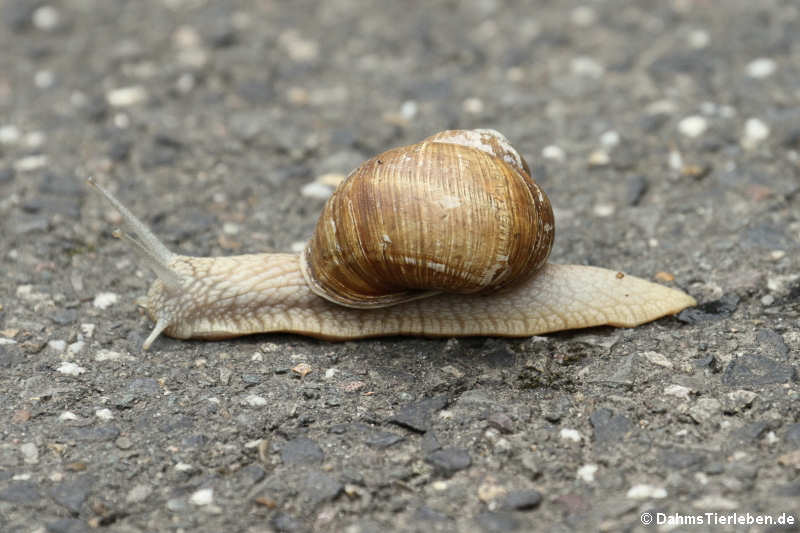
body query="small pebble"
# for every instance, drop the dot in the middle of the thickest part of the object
(472, 106)
(762, 67)
(9, 134)
(599, 158)
(553, 152)
(755, 131)
(104, 414)
(104, 300)
(604, 210)
(716, 503)
(255, 401)
(570, 434)
(693, 126)
(298, 48)
(679, 391)
(302, 369)
(44, 79)
(409, 109)
(57, 345)
(586, 66)
(46, 18)
(30, 163)
(583, 16)
(699, 39)
(67, 416)
(70, 369)
(644, 491)
(610, 139)
(30, 453)
(202, 497)
(88, 330)
(657, 359)
(126, 96)
(318, 190)
(586, 473)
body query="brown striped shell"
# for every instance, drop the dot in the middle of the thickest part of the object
(457, 213)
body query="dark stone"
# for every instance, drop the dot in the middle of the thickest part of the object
(72, 494)
(791, 490)
(499, 354)
(144, 387)
(417, 416)
(91, 434)
(300, 451)
(62, 184)
(792, 139)
(67, 525)
(194, 441)
(710, 362)
(678, 459)
(120, 150)
(792, 434)
(448, 461)
(749, 433)
(21, 492)
(163, 152)
(34, 205)
(252, 474)
(430, 443)
(319, 487)
(496, 522)
(64, 317)
(250, 380)
(222, 36)
(608, 426)
(707, 311)
(281, 521)
(772, 343)
(176, 424)
(755, 370)
(256, 91)
(96, 108)
(521, 500)
(427, 514)
(383, 439)
(18, 14)
(10, 355)
(653, 123)
(636, 188)
(6, 174)
(501, 422)
(697, 64)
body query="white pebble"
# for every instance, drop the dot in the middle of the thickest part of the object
(699, 39)
(44, 79)
(104, 414)
(316, 189)
(46, 18)
(586, 473)
(472, 105)
(202, 497)
(184, 467)
(658, 359)
(30, 453)
(126, 96)
(87, 329)
(604, 210)
(255, 401)
(644, 491)
(329, 373)
(570, 434)
(35, 139)
(610, 139)
(717, 503)
(755, 131)
(297, 47)
(104, 300)
(599, 158)
(553, 152)
(409, 109)
(675, 159)
(70, 369)
(110, 355)
(762, 67)
(67, 416)
(9, 134)
(230, 228)
(586, 66)
(29, 163)
(76, 347)
(583, 16)
(693, 126)
(679, 391)
(57, 345)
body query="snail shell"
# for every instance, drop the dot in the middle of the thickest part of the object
(457, 212)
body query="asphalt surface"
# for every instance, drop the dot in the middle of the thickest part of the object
(667, 134)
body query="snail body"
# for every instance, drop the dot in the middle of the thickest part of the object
(447, 237)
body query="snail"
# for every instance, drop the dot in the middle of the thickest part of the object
(446, 237)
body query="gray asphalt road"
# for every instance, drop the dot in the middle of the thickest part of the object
(667, 134)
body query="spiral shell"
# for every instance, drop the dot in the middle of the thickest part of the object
(457, 212)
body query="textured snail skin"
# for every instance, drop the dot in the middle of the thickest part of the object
(225, 297)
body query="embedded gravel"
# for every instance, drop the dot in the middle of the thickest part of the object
(666, 132)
